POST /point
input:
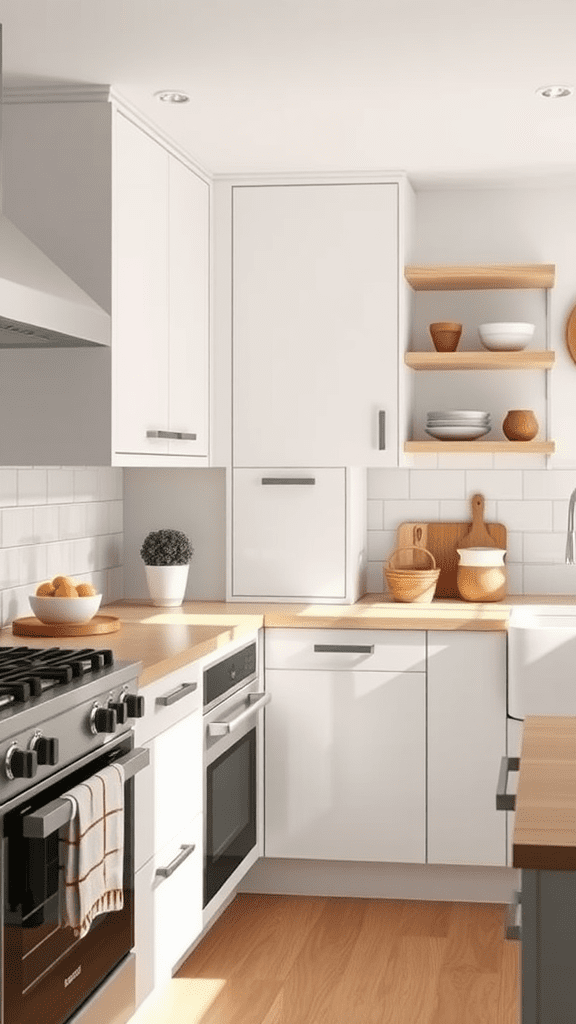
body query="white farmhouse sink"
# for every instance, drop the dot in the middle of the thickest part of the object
(542, 661)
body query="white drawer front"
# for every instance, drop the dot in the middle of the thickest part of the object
(176, 687)
(390, 650)
(169, 791)
(168, 910)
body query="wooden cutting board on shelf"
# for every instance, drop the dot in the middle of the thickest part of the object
(443, 539)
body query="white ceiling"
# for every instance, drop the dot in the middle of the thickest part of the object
(444, 89)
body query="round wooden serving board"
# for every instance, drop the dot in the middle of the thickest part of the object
(571, 334)
(33, 627)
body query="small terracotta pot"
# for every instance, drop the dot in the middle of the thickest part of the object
(445, 336)
(481, 583)
(520, 425)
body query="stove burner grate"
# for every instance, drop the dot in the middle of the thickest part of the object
(27, 672)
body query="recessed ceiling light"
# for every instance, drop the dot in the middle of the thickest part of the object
(555, 92)
(172, 96)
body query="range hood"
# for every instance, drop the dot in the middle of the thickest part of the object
(40, 306)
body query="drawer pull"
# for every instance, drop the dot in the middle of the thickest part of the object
(179, 859)
(513, 930)
(181, 691)
(256, 701)
(506, 801)
(177, 435)
(382, 430)
(299, 480)
(344, 648)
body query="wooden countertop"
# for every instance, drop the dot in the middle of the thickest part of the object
(545, 822)
(165, 639)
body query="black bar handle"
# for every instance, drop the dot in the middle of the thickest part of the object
(344, 648)
(382, 430)
(506, 801)
(302, 480)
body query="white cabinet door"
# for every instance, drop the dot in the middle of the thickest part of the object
(315, 324)
(170, 790)
(168, 908)
(140, 290)
(189, 252)
(466, 740)
(288, 533)
(345, 765)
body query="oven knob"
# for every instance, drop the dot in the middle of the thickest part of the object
(20, 764)
(102, 719)
(135, 705)
(46, 748)
(121, 711)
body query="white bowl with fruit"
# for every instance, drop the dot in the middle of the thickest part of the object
(63, 600)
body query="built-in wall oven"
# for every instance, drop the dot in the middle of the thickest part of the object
(233, 773)
(64, 715)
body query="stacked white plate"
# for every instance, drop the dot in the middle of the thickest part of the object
(458, 424)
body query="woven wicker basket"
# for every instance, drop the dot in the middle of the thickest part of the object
(411, 584)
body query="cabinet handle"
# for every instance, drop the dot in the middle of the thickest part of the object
(344, 648)
(177, 694)
(382, 430)
(257, 701)
(303, 480)
(506, 801)
(179, 859)
(177, 435)
(513, 930)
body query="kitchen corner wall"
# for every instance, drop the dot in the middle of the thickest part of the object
(56, 520)
(531, 503)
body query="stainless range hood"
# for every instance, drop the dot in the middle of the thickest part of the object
(40, 306)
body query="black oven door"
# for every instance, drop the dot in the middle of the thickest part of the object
(230, 823)
(48, 973)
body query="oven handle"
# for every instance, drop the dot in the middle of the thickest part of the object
(257, 701)
(43, 822)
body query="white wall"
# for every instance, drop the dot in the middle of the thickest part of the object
(191, 500)
(58, 521)
(527, 494)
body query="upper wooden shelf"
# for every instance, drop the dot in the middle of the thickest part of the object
(492, 275)
(481, 360)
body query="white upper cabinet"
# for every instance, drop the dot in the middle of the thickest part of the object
(315, 306)
(124, 214)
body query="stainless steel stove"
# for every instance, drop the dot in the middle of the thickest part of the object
(64, 715)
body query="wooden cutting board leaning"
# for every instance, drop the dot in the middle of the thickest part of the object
(443, 539)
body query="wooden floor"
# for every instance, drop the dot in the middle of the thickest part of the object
(317, 960)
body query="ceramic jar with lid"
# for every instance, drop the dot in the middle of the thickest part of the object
(481, 574)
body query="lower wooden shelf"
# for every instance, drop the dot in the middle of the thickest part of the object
(525, 447)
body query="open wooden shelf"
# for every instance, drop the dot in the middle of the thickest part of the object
(469, 447)
(481, 360)
(512, 275)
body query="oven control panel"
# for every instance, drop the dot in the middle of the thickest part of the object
(227, 675)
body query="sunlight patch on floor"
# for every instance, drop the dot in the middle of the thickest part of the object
(182, 999)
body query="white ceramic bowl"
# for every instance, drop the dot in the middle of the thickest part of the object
(65, 609)
(506, 337)
(457, 414)
(458, 432)
(481, 556)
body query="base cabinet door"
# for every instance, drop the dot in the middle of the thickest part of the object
(289, 533)
(466, 737)
(345, 765)
(168, 908)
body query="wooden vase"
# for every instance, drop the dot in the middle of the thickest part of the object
(445, 336)
(520, 425)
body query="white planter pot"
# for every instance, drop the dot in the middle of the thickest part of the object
(167, 584)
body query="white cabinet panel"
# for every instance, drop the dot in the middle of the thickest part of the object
(168, 910)
(169, 699)
(315, 324)
(387, 650)
(288, 539)
(345, 765)
(466, 740)
(171, 789)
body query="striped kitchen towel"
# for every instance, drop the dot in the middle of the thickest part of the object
(92, 849)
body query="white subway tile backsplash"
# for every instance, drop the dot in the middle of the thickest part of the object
(45, 523)
(483, 460)
(17, 527)
(59, 561)
(550, 579)
(494, 484)
(110, 483)
(60, 486)
(32, 486)
(513, 460)
(9, 568)
(374, 578)
(515, 577)
(396, 512)
(549, 483)
(456, 511)
(544, 548)
(430, 461)
(115, 584)
(97, 518)
(32, 563)
(71, 521)
(381, 544)
(514, 547)
(438, 483)
(388, 483)
(560, 516)
(374, 514)
(525, 515)
(86, 485)
(116, 516)
(8, 487)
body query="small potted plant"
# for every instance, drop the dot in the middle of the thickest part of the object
(166, 555)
